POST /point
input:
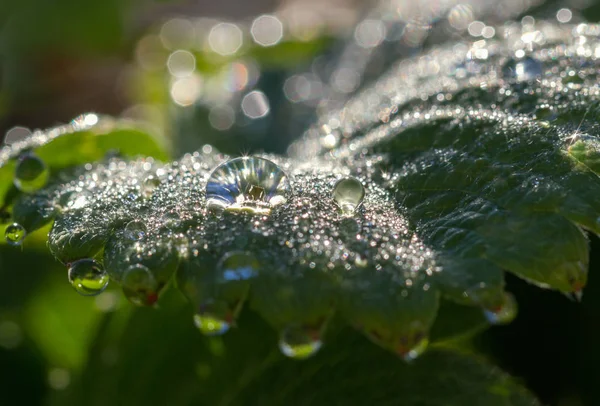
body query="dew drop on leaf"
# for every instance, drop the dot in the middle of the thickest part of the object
(503, 314)
(522, 69)
(149, 184)
(250, 184)
(299, 342)
(15, 234)
(140, 286)
(348, 194)
(210, 325)
(88, 277)
(31, 173)
(238, 266)
(416, 350)
(135, 230)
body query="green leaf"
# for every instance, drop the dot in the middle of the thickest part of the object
(161, 358)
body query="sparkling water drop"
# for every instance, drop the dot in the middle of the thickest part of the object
(420, 345)
(135, 230)
(210, 325)
(15, 234)
(140, 286)
(31, 173)
(299, 342)
(348, 193)
(251, 184)
(503, 314)
(87, 277)
(522, 69)
(238, 266)
(149, 185)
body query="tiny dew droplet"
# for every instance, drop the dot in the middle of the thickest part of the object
(87, 277)
(503, 314)
(140, 286)
(149, 185)
(348, 194)
(31, 173)
(210, 325)
(15, 234)
(249, 184)
(135, 230)
(299, 342)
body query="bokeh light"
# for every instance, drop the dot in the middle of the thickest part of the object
(267, 30)
(225, 39)
(255, 104)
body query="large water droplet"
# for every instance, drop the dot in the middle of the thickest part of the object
(348, 193)
(140, 286)
(88, 277)
(210, 325)
(299, 342)
(249, 184)
(238, 266)
(31, 173)
(135, 230)
(522, 69)
(15, 234)
(149, 185)
(503, 314)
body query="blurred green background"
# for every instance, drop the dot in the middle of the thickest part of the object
(149, 60)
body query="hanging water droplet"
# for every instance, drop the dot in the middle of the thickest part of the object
(135, 230)
(249, 184)
(522, 69)
(503, 314)
(348, 194)
(420, 343)
(149, 185)
(87, 277)
(31, 173)
(299, 342)
(15, 234)
(238, 266)
(140, 286)
(210, 325)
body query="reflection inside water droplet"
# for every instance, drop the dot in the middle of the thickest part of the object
(238, 266)
(522, 69)
(140, 286)
(348, 194)
(503, 314)
(135, 230)
(299, 342)
(87, 277)
(15, 234)
(31, 173)
(210, 325)
(249, 184)
(421, 343)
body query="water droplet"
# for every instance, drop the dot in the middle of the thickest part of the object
(210, 325)
(503, 314)
(249, 184)
(31, 173)
(238, 266)
(348, 193)
(140, 286)
(522, 69)
(299, 342)
(135, 230)
(15, 234)
(420, 345)
(88, 277)
(149, 185)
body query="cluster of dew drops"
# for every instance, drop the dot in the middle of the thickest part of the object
(244, 185)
